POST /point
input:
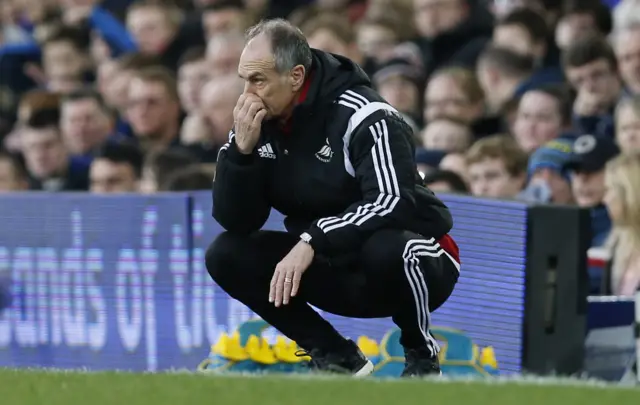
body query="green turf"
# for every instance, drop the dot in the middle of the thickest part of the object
(52, 388)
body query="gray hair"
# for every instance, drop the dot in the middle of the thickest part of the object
(288, 44)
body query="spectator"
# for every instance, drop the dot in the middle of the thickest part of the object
(66, 60)
(622, 198)
(154, 108)
(85, 122)
(192, 76)
(116, 91)
(447, 134)
(549, 180)
(158, 167)
(399, 82)
(580, 19)
(455, 162)
(497, 167)
(117, 168)
(30, 102)
(587, 169)
(376, 37)
(223, 54)
(47, 160)
(626, 43)
(13, 174)
(525, 31)
(442, 181)
(451, 31)
(503, 75)
(592, 70)
(219, 98)
(628, 124)
(543, 114)
(192, 178)
(224, 16)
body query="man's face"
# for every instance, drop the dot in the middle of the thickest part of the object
(257, 67)
(112, 177)
(43, 151)
(445, 98)
(191, 79)
(9, 179)
(401, 93)
(151, 110)
(434, 17)
(376, 41)
(84, 125)
(222, 21)
(628, 129)
(327, 41)
(559, 186)
(588, 188)
(150, 29)
(516, 39)
(627, 48)
(446, 135)
(490, 178)
(597, 78)
(572, 27)
(63, 62)
(538, 120)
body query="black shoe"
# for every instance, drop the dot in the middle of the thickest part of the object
(349, 361)
(420, 363)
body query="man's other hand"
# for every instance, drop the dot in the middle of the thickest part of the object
(286, 278)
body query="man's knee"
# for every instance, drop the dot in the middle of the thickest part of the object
(222, 255)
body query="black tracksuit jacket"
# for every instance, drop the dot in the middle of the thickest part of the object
(345, 169)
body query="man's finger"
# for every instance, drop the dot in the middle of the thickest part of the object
(257, 120)
(288, 283)
(279, 288)
(272, 286)
(297, 277)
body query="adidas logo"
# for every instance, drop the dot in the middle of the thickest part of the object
(325, 153)
(266, 151)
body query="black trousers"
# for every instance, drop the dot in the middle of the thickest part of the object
(396, 274)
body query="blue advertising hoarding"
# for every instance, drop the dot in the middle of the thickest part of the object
(119, 282)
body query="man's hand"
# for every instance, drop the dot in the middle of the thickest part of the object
(247, 116)
(286, 279)
(589, 104)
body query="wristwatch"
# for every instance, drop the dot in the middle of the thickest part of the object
(306, 238)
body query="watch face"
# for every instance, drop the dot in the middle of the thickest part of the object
(305, 237)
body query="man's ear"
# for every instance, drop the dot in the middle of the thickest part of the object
(296, 77)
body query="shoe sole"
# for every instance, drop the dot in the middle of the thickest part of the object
(365, 371)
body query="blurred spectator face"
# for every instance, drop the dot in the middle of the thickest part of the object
(84, 125)
(627, 48)
(445, 98)
(597, 81)
(191, 79)
(107, 74)
(447, 135)
(628, 128)
(574, 26)
(219, 98)
(538, 120)
(63, 64)
(434, 17)
(327, 41)
(223, 54)
(44, 152)
(112, 177)
(490, 178)
(222, 21)
(118, 92)
(559, 186)
(455, 162)
(10, 179)
(588, 188)
(517, 39)
(376, 41)
(401, 93)
(151, 109)
(151, 29)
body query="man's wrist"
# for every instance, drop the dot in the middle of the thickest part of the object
(315, 238)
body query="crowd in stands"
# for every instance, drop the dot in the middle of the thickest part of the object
(533, 100)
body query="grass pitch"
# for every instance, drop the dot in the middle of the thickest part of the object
(26, 387)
